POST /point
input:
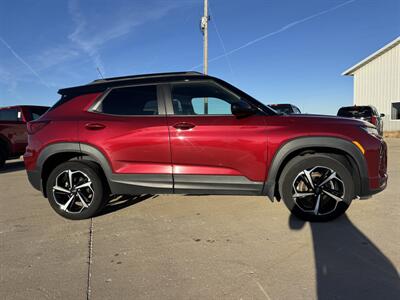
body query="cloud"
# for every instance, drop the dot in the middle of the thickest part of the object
(89, 36)
(282, 29)
(21, 60)
(92, 29)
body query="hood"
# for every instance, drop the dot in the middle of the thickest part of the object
(310, 118)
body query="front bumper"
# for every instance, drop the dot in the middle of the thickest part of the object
(378, 163)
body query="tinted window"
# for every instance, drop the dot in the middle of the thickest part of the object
(36, 112)
(140, 100)
(203, 98)
(355, 111)
(10, 115)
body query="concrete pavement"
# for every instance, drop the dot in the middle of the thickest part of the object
(197, 247)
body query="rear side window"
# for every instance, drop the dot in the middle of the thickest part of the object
(12, 114)
(139, 100)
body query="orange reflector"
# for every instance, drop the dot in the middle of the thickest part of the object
(359, 146)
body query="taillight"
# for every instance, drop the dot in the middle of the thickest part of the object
(374, 120)
(34, 127)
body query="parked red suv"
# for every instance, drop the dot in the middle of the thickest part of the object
(191, 133)
(13, 137)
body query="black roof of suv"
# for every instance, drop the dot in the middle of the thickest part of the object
(99, 85)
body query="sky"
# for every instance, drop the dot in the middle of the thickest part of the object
(278, 51)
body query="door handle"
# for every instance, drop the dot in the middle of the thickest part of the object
(184, 126)
(94, 126)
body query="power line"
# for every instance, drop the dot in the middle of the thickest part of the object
(221, 41)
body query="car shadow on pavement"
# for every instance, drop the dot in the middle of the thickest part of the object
(122, 201)
(348, 265)
(13, 167)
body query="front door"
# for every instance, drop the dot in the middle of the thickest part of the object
(212, 150)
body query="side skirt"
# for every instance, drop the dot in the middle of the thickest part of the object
(183, 184)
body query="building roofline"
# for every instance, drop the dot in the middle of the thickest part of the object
(374, 55)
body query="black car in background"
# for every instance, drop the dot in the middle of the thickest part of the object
(367, 113)
(286, 109)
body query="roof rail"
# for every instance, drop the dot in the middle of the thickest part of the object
(102, 80)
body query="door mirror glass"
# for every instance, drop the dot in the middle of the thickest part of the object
(382, 115)
(242, 109)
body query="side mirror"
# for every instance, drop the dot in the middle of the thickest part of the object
(242, 109)
(382, 115)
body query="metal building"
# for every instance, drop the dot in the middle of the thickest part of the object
(377, 83)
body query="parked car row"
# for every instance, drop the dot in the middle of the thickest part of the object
(367, 113)
(187, 133)
(13, 131)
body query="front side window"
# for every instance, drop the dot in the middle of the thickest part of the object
(12, 114)
(396, 111)
(203, 98)
(138, 100)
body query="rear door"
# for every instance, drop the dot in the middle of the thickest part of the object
(212, 150)
(128, 126)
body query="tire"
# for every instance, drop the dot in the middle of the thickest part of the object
(327, 196)
(73, 202)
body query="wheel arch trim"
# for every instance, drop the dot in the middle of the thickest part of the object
(306, 143)
(82, 150)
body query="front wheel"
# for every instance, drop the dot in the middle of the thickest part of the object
(317, 187)
(75, 190)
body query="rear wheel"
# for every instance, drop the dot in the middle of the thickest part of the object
(316, 187)
(75, 190)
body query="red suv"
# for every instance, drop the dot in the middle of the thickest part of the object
(190, 133)
(13, 137)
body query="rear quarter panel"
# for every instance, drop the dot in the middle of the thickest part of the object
(62, 127)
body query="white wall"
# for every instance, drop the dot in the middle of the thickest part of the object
(378, 83)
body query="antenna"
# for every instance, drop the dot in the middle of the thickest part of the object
(101, 75)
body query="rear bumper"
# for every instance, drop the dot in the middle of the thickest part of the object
(35, 179)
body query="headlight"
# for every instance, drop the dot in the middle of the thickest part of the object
(371, 130)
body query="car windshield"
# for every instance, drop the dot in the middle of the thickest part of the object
(355, 111)
(36, 112)
(282, 108)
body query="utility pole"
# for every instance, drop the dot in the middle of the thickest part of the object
(204, 29)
